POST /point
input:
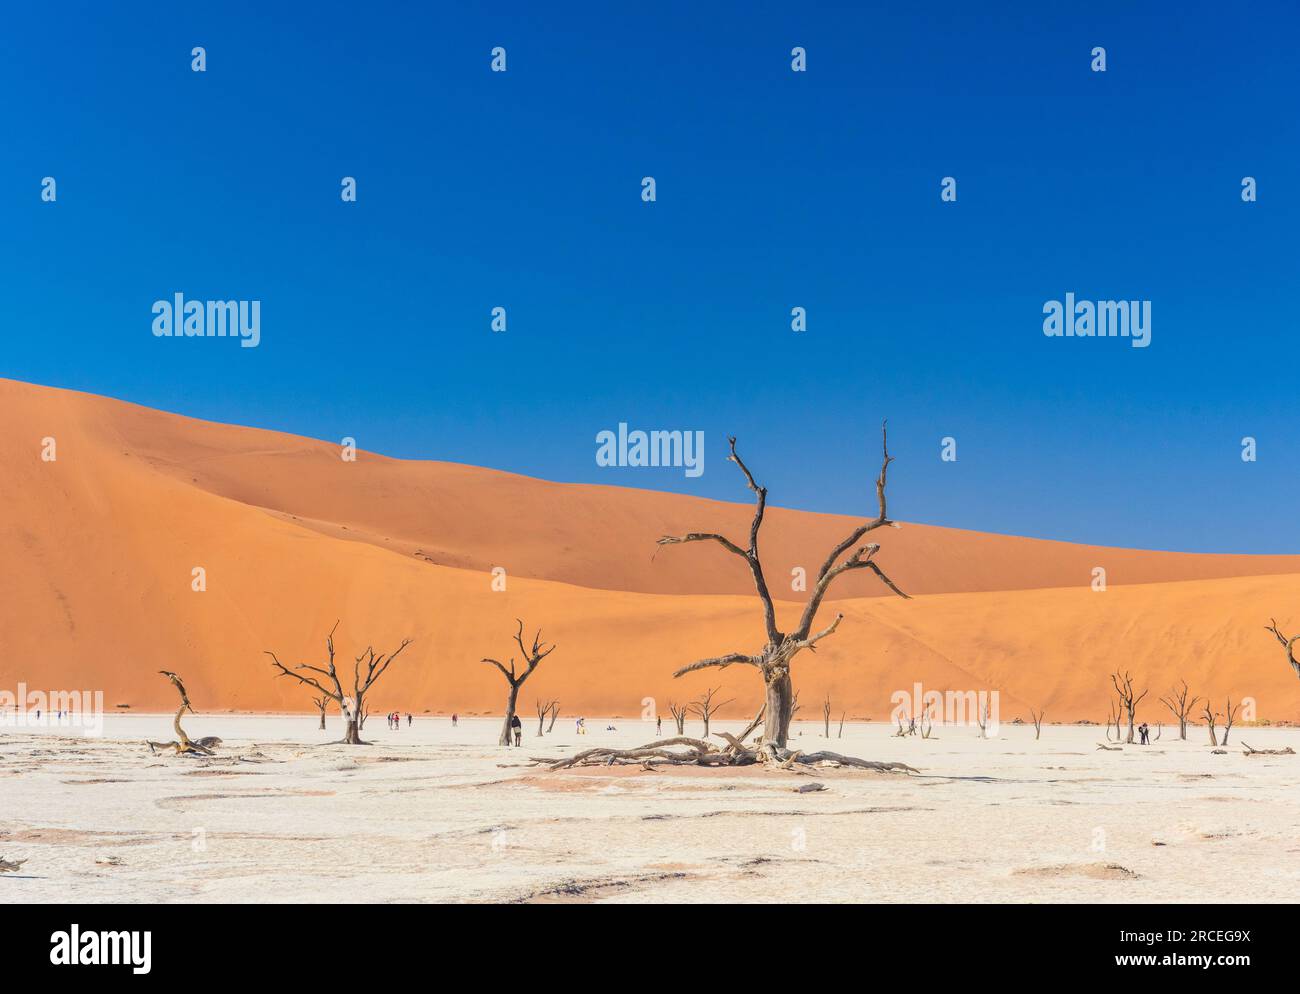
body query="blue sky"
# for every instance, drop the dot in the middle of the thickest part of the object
(775, 189)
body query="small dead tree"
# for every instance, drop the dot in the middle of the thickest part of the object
(927, 720)
(183, 744)
(1179, 702)
(1037, 718)
(1288, 643)
(826, 715)
(774, 659)
(321, 703)
(543, 710)
(1128, 699)
(982, 719)
(840, 735)
(1112, 722)
(1210, 716)
(366, 671)
(705, 709)
(532, 657)
(1228, 717)
(555, 713)
(679, 716)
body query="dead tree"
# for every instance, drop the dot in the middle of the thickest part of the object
(321, 703)
(1288, 643)
(1112, 721)
(1037, 719)
(532, 656)
(840, 735)
(555, 713)
(826, 715)
(679, 716)
(774, 659)
(1210, 716)
(1128, 699)
(982, 719)
(1179, 703)
(366, 671)
(705, 709)
(183, 744)
(544, 709)
(1228, 717)
(927, 720)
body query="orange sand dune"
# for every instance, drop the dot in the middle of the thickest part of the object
(99, 547)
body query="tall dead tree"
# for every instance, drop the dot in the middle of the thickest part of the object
(705, 709)
(531, 656)
(1229, 716)
(774, 659)
(321, 703)
(366, 671)
(555, 713)
(1037, 718)
(826, 715)
(1128, 698)
(1179, 703)
(679, 716)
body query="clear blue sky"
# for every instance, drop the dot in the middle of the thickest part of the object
(775, 189)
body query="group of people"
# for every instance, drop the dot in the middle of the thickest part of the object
(395, 720)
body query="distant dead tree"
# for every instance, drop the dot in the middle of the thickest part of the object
(774, 659)
(555, 713)
(183, 744)
(321, 703)
(544, 709)
(1112, 722)
(679, 716)
(826, 715)
(1210, 716)
(532, 657)
(366, 671)
(1037, 719)
(1228, 717)
(1288, 643)
(1181, 705)
(840, 735)
(982, 719)
(705, 709)
(1128, 699)
(927, 720)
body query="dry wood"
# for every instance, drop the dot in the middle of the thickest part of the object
(1128, 699)
(1181, 704)
(774, 659)
(532, 657)
(1288, 751)
(368, 667)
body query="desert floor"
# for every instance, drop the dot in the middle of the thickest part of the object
(432, 813)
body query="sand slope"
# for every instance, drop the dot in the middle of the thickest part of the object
(99, 547)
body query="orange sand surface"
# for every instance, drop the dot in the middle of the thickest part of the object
(99, 546)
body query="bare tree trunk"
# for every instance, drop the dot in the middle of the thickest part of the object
(506, 738)
(322, 719)
(353, 734)
(779, 709)
(555, 713)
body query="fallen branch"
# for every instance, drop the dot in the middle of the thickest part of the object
(1288, 751)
